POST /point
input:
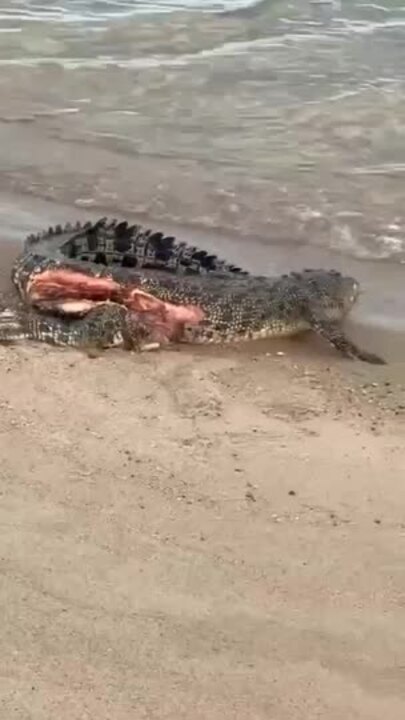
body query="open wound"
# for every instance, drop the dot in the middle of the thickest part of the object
(74, 293)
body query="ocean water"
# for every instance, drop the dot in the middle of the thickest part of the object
(279, 122)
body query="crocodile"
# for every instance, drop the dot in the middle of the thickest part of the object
(112, 284)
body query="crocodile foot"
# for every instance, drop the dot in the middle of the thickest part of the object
(332, 332)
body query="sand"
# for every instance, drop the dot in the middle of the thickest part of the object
(201, 535)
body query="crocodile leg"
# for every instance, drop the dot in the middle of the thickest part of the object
(55, 330)
(107, 325)
(332, 332)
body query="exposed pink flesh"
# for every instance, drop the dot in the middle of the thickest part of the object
(144, 302)
(75, 293)
(65, 284)
(166, 319)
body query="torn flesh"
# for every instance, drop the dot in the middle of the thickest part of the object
(73, 293)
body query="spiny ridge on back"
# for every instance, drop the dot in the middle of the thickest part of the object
(133, 246)
(111, 283)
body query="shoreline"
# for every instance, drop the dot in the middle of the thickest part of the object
(377, 321)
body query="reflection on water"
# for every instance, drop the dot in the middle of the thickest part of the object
(281, 120)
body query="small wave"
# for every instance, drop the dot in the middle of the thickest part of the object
(226, 49)
(75, 11)
(98, 11)
(391, 169)
(368, 28)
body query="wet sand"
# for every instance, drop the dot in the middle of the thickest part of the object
(213, 534)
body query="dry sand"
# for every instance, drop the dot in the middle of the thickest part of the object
(201, 535)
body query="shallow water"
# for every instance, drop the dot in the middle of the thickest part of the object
(279, 123)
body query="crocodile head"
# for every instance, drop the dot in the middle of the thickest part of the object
(330, 290)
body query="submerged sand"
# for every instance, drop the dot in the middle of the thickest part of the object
(211, 534)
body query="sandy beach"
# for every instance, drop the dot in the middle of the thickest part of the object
(211, 534)
(207, 533)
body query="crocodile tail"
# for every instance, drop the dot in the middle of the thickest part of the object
(12, 327)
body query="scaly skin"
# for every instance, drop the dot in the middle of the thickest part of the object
(104, 326)
(110, 284)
